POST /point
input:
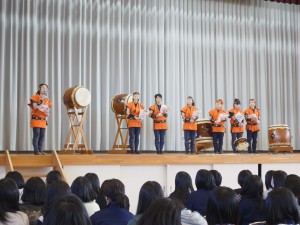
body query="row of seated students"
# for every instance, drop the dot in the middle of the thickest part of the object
(86, 203)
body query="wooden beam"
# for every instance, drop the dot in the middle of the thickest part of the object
(57, 165)
(8, 164)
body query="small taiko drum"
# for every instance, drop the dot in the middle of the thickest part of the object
(279, 135)
(78, 97)
(119, 102)
(241, 144)
(204, 129)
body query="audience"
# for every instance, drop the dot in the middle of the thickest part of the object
(217, 176)
(268, 180)
(197, 200)
(67, 210)
(292, 182)
(278, 179)
(223, 207)
(183, 187)
(53, 176)
(10, 213)
(33, 197)
(18, 178)
(82, 188)
(241, 178)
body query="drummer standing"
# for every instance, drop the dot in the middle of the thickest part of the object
(252, 115)
(159, 116)
(134, 123)
(237, 128)
(40, 105)
(218, 118)
(189, 116)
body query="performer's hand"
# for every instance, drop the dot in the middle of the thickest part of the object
(192, 120)
(158, 115)
(217, 122)
(137, 118)
(241, 124)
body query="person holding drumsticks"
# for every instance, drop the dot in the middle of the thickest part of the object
(252, 115)
(218, 117)
(236, 116)
(159, 112)
(134, 122)
(189, 115)
(40, 105)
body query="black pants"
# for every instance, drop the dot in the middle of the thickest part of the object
(234, 137)
(189, 140)
(38, 138)
(218, 141)
(134, 138)
(159, 139)
(252, 136)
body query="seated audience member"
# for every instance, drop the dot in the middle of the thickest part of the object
(268, 180)
(113, 214)
(95, 182)
(164, 211)
(53, 176)
(292, 182)
(82, 188)
(123, 201)
(18, 178)
(149, 192)
(183, 187)
(251, 207)
(217, 176)
(278, 179)
(241, 177)
(282, 207)
(10, 213)
(33, 198)
(54, 191)
(197, 200)
(67, 209)
(223, 207)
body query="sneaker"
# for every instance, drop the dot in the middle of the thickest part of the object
(37, 153)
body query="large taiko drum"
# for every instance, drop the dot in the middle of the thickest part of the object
(241, 144)
(204, 129)
(119, 102)
(78, 97)
(279, 135)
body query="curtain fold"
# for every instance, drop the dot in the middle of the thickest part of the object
(208, 49)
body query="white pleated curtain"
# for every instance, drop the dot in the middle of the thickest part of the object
(208, 49)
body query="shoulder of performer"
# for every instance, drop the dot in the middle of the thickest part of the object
(142, 106)
(35, 98)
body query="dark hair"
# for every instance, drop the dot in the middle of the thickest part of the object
(268, 179)
(40, 86)
(205, 179)
(17, 177)
(94, 180)
(112, 187)
(135, 93)
(243, 176)
(253, 188)
(183, 187)
(217, 176)
(279, 177)
(82, 188)
(164, 211)
(292, 182)
(222, 207)
(34, 191)
(53, 176)
(149, 192)
(157, 95)
(190, 97)
(9, 195)
(236, 101)
(67, 210)
(53, 192)
(281, 207)
(122, 201)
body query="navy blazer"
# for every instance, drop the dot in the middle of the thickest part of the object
(251, 210)
(197, 201)
(112, 215)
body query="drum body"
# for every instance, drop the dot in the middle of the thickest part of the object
(204, 129)
(78, 97)
(279, 135)
(241, 144)
(119, 102)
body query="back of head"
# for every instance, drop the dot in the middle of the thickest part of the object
(53, 176)
(222, 207)
(110, 188)
(34, 191)
(164, 211)
(252, 187)
(205, 180)
(243, 176)
(17, 177)
(149, 192)
(122, 201)
(67, 210)
(82, 188)
(268, 179)
(279, 177)
(217, 176)
(282, 207)
(9, 197)
(292, 182)
(94, 180)
(183, 181)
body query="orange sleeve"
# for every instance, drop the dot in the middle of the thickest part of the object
(35, 98)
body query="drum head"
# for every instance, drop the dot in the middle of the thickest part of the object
(279, 125)
(82, 97)
(203, 121)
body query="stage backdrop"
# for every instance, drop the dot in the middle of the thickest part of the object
(208, 49)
